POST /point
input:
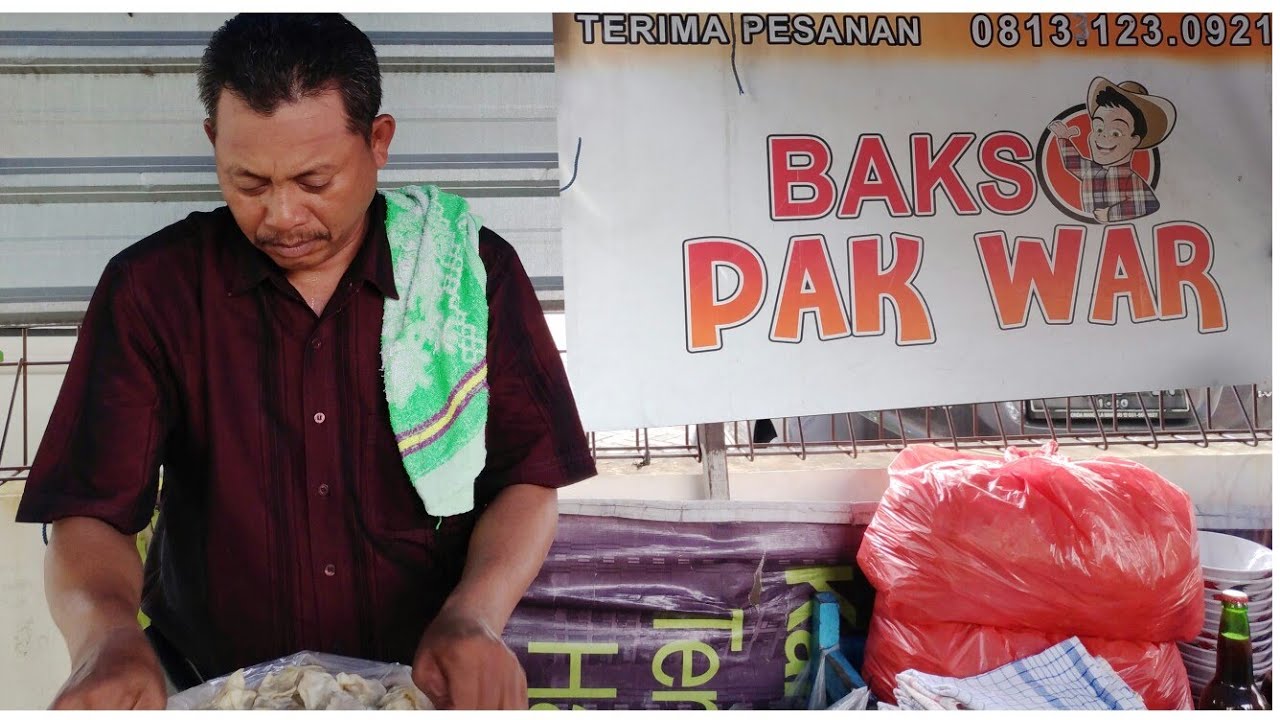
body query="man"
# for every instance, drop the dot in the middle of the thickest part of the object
(1124, 119)
(239, 350)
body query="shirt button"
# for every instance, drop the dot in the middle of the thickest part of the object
(318, 417)
(323, 489)
(330, 570)
(315, 344)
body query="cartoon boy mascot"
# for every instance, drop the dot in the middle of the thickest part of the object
(1124, 119)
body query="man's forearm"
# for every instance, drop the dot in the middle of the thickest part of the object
(93, 581)
(507, 549)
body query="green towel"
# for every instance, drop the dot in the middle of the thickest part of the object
(434, 345)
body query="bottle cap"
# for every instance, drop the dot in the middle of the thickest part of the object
(1234, 597)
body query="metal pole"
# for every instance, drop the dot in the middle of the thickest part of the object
(715, 467)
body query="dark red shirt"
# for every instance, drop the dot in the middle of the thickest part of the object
(287, 520)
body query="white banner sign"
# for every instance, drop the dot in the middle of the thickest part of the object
(788, 215)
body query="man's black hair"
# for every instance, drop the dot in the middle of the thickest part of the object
(1110, 97)
(270, 59)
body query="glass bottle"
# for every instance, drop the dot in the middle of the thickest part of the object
(1232, 686)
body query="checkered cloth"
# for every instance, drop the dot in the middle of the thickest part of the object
(1117, 189)
(1064, 677)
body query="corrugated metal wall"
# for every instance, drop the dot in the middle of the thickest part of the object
(101, 141)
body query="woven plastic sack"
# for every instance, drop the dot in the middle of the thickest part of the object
(1034, 541)
(1153, 670)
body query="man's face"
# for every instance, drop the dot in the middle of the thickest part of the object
(1112, 140)
(298, 181)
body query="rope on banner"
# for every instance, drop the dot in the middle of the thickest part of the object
(576, 154)
(733, 53)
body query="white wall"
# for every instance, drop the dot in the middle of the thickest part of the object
(33, 659)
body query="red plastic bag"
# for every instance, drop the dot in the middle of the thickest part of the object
(1098, 548)
(1153, 670)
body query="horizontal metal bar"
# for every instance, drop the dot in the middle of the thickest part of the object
(547, 283)
(74, 293)
(82, 293)
(40, 331)
(202, 163)
(17, 315)
(179, 66)
(210, 193)
(36, 363)
(792, 450)
(200, 38)
(962, 443)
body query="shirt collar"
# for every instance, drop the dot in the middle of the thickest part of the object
(372, 262)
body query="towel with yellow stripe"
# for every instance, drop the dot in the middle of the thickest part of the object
(434, 345)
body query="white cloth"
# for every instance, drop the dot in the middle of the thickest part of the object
(1064, 677)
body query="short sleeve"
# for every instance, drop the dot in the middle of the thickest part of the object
(533, 434)
(99, 456)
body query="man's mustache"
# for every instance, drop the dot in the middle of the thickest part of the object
(290, 239)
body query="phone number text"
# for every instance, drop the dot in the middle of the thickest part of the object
(1120, 30)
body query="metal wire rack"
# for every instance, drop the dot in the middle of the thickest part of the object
(1200, 416)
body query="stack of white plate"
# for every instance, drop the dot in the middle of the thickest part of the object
(1230, 563)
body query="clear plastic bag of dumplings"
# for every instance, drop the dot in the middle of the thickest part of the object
(308, 680)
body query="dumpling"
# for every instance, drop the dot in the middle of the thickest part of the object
(367, 691)
(234, 700)
(345, 701)
(285, 681)
(233, 695)
(404, 697)
(277, 702)
(311, 687)
(315, 688)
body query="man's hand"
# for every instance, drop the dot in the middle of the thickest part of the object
(462, 664)
(119, 671)
(1101, 214)
(461, 661)
(1062, 130)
